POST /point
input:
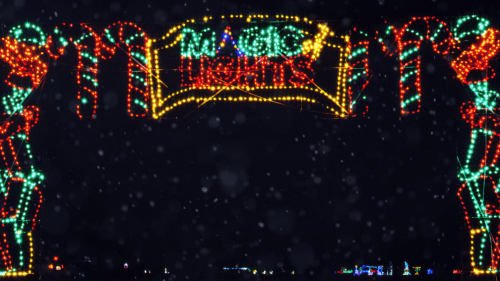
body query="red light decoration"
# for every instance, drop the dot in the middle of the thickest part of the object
(22, 59)
(245, 72)
(93, 46)
(25, 61)
(409, 39)
(90, 49)
(477, 57)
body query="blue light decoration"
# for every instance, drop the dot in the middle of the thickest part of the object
(368, 269)
(389, 269)
(166, 270)
(407, 269)
(365, 269)
(238, 268)
(226, 35)
(429, 271)
(356, 271)
(380, 270)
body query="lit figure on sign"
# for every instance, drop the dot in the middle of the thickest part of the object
(389, 269)
(380, 270)
(356, 271)
(407, 269)
(417, 270)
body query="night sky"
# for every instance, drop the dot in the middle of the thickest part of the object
(259, 186)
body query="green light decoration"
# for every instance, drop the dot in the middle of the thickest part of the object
(21, 34)
(130, 38)
(485, 99)
(196, 44)
(480, 29)
(257, 41)
(13, 102)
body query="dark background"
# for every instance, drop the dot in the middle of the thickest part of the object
(262, 187)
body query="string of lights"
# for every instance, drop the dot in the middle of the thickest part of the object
(263, 63)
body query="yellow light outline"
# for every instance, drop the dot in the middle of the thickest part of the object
(319, 42)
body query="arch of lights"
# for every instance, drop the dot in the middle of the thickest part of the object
(250, 59)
